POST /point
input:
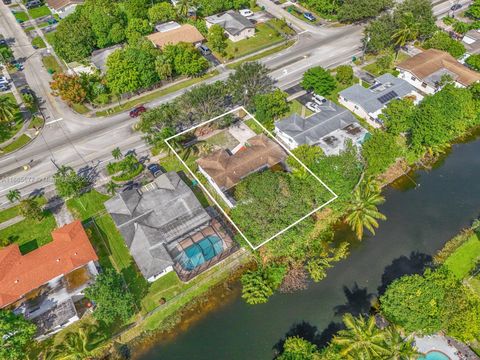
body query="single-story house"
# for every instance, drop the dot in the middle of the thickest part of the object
(369, 103)
(471, 41)
(44, 284)
(166, 228)
(426, 70)
(224, 170)
(99, 57)
(175, 34)
(236, 26)
(63, 8)
(331, 129)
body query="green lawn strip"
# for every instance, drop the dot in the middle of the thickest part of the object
(21, 16)
(215, 276)
(87, 205)
(464, 259)
(155, 94)
(80, 108)
(264, 37)
(49, 36)
(265, 53)
(39, 12)
(37, 122)
(13, 211)
(281, 26)
(17, 144)
(296, 108)
(30, 234)
(301, 17)
(51, 64)
(252, 124)
(38, 42)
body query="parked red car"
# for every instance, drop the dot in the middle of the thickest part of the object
(137, 111)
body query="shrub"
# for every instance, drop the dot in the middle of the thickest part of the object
(344, 74)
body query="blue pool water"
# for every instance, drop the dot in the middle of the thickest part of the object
(202, 251)
(434, 355)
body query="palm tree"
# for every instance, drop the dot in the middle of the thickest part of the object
(399, 348)
(13, 195)
(363, 211)
(7, 109)
(117, 153)
(361, 339)
(112, 187)
(408, 31)
(78, 345)
(183, 6)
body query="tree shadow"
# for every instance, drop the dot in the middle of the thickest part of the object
(26, 247)
(55, 204)
(36, 193)
(359, 301)
(416, 263)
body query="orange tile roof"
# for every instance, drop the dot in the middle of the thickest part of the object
(20, 274)
(227, 170)
(186, 33)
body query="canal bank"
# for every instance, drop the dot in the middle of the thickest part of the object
(421, 219)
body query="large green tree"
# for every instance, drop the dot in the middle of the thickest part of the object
(270, 107)
(78, 345)
(161, 12)
(68, 183)
(184, 59)
(319, 80)
(31, 209)
(297, 348)
(397, 116)
(258, 285)
(8, 108)
(249, 80)
(16, 335)
(113, 301)
(442, 41)
(216, 38)
(380, 151)
(355, 10)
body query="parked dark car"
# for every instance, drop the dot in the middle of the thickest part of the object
(309, 16)
(33, 4)
(204, 50)
(456, 7)
(7, 2)
(155, 169)
(27, 90)
(137, 111)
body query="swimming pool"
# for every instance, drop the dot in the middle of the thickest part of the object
(200, 252)
(434, 355)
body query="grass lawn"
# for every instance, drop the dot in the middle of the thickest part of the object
(268, 52)
(375, 70)
(87, 205)
(264, 37)
(80, 108)
(38, 42)
(51, 64)
(155, 94)
(298, 108)
(464, 259)
(21, 16)
(11, 212)
(281, 26)
(252, 124)
(37, 122)
(30, 234)
(39, 12)
(49, 36)
(17, 144)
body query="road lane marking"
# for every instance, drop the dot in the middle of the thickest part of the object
(54, 121)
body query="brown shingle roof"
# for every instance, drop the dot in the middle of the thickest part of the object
(185, 33)
(20, 274)
(227, 170)
(59, 4)
(430, 61)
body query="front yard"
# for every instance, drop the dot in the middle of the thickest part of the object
(39, 12)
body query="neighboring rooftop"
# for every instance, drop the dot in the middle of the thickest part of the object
(168, 26)
(386, 88)
(20, 274)
(55, 317)
(227, 170)
(310, 130)
(185, 33)
(231, 21)
(154, 216)
(60, 4)
(432, 64)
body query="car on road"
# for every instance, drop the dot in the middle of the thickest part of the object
(155, 169)
(204, 49)
(139, 110)
(246, 12)
(309, 16)
(456, 7)
(4, 87)
(313, 106)
(319, 99)
(7, 2)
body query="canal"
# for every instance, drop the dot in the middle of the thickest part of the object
(420, 220)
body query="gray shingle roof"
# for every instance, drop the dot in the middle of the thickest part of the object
(310, 130)
(386, 88)
(159, 214)
(231, 21)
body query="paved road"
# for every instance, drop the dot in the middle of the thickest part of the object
(71, 139)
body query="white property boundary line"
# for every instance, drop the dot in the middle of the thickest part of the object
(335, 196)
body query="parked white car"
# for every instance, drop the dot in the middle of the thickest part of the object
(319, 99)
(313, 106)
(246, 12)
